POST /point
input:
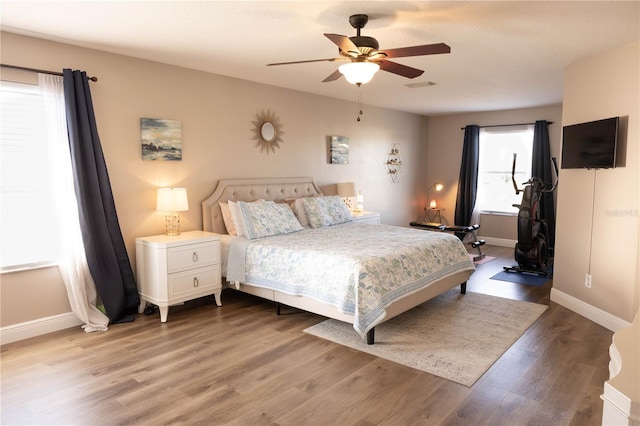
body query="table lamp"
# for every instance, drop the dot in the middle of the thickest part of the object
(437, 187)
(359, 203)
(347, 190)
(171, 201)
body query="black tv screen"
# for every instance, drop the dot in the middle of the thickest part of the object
(590, 145)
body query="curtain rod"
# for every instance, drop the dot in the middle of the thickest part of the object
(508, 125)
(15, 67)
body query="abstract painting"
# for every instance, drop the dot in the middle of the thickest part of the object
(339, 149)
(161, 139)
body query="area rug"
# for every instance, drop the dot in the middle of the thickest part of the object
(521, 278)
(454, 336)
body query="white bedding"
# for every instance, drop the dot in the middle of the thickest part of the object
(358, 268)
(225, 242)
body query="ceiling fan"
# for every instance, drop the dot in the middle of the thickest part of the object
(364, 59)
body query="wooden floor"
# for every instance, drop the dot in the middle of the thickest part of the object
(241, 364)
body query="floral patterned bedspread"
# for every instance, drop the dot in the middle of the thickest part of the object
(359, 268)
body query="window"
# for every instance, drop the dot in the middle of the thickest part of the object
(29, 236)
(497, 146)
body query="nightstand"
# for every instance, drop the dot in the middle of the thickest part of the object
(366, 217)
(172, 270)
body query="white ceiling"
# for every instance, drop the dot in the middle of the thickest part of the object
(504, 54)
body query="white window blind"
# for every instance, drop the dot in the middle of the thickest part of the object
(29, 234)
(497, 146)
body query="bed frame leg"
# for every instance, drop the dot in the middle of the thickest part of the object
(463, 288)
(277, 308)
(371, 336)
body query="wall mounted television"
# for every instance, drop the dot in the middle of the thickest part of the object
(590, 145)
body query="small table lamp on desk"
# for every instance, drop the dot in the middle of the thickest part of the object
(432, 212)
(433, 215)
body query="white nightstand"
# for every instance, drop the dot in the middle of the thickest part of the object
(366, 217)
(172, 270)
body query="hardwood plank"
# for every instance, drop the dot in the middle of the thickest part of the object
(335, 405)
(429, 400)
(478, 406)
(241, 364)
(513, 410)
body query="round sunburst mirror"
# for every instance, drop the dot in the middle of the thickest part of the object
(267, 131)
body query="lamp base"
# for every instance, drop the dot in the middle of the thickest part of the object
(172, 224)
(347, 202)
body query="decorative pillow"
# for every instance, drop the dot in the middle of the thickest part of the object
(228, 219)
(300, 212)
(236, 217)
(267, 219)
(236, 222)
(326, 211)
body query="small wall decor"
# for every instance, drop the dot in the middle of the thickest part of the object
(339, 147)
(161, 139)
(394, 163)
(267, 131)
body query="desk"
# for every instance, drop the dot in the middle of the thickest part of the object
(433, 215)
(459, 231)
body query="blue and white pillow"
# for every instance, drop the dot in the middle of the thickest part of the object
(267, 219)
(326, 211)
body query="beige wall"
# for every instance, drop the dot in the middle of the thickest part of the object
(33, 294)
(444, 152)
(216, 114)
(598, 210)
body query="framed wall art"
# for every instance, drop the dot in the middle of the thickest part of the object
(339, 149)
(161, 139)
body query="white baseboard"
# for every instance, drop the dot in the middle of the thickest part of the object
(25, 330)
(590, 312)
(499, 242)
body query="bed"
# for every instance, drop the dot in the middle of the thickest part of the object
(363, 274)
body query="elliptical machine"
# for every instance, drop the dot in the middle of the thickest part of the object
(532, 251)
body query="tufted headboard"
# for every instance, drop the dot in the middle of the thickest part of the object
(272, 189)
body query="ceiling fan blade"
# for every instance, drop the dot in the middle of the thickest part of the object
(403, 70)
(305, 62)
(344, 43)
(333, 77)
(425, 49)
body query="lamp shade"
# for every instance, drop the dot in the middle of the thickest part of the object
(347, 189)
(438, 186)
(172, 200)
(359, 72)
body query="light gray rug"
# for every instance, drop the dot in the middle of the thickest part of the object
(457, 337)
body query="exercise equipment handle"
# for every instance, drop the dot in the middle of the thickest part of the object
(513, 174)
(555, 169)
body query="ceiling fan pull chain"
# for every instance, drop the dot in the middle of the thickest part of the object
(359, 102)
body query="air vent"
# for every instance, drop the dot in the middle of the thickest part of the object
(423, 84)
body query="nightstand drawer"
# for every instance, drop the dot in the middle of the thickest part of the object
(203, 280)
(192, 256)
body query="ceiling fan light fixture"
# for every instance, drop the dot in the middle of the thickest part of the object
(359, 72)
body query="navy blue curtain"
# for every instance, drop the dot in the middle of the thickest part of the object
(541, 167)
(104, 246)
(468, 180)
